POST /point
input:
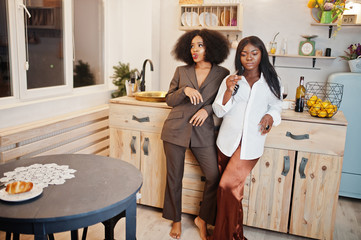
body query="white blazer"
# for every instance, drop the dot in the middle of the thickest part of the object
(241, 116)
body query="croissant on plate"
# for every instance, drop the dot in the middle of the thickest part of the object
(18, 187)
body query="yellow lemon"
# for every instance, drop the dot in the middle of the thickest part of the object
(330, 114)
(310, 103)
(313, 112)
(317, 107)
(326, 103)
(314, 98)
(322, 113)
(330, 109)
(334, 108)
(318, 100)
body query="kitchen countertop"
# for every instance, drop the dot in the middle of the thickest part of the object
(287, 114)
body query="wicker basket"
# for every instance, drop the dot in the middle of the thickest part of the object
(323, 99)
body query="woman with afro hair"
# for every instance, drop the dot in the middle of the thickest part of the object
(190, 123)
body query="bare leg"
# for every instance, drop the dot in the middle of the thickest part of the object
(176, 230)
(202, 225)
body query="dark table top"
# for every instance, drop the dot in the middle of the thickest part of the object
(101, 184)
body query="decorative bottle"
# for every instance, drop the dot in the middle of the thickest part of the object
(300, 96)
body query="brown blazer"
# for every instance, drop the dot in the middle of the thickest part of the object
(176, 128)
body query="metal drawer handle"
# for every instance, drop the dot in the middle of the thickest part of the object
(297, 137)
(145, 146)
(145, 119)
(302, 167)
(132, 144)
(286, 166)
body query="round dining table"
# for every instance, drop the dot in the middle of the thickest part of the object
(102, 190)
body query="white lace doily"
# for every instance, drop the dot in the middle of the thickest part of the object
(42, 175)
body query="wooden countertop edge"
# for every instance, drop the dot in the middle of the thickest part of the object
(338, 119)
(133, 101)
(287, 114)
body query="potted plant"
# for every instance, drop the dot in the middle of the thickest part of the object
(82, 75)
(121, 74)
(353, 56)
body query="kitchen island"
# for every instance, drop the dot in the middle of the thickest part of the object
(292, 189)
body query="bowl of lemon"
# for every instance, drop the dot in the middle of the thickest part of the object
(323, 99)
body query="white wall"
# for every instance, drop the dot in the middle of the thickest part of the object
(141, 29)
(265, 18)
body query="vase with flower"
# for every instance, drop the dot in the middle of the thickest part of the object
(328, 10)
(353, 56)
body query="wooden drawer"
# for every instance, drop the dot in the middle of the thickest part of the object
(133, 117)
(191, 201)
(193, 177)
(323, 138)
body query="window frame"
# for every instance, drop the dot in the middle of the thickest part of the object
(17, 57)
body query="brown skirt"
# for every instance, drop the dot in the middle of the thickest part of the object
(229, 220)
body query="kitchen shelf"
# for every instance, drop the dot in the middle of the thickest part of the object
(227, 17)
(299, 56)
(331, 25)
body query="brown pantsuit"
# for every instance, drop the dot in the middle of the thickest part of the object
(207, 158)
(229, 220)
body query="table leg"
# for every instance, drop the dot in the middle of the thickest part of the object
(109, 226)
(74, 235)
(16, 236)
(131, 221)
(85, 231)
(41, 237)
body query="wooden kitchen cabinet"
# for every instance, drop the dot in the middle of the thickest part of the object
(135, 129)
(294, 186)
(135, 138)
(283, 193)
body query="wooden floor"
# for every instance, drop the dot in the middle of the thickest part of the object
(151, 226)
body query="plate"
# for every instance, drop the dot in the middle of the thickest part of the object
(36, 191)
(151, 96)
(190, 19)
(202, 18)
(208, 19)
(225, 15)
(309, 36)
(183, 19)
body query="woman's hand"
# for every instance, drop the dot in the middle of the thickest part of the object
(199, 118)
(193, 95)
(231, 82)
(265, 124)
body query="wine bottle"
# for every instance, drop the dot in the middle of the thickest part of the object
(300, 96)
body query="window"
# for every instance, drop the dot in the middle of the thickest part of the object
(5, 89)
(55, 47)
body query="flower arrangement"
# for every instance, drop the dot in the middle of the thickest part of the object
(329, 11)
(354, 51)
(335, 6)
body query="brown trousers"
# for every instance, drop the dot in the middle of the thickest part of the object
(207, 159)
(229, 220)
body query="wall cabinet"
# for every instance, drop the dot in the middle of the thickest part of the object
(223, 17)
(292, 189)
